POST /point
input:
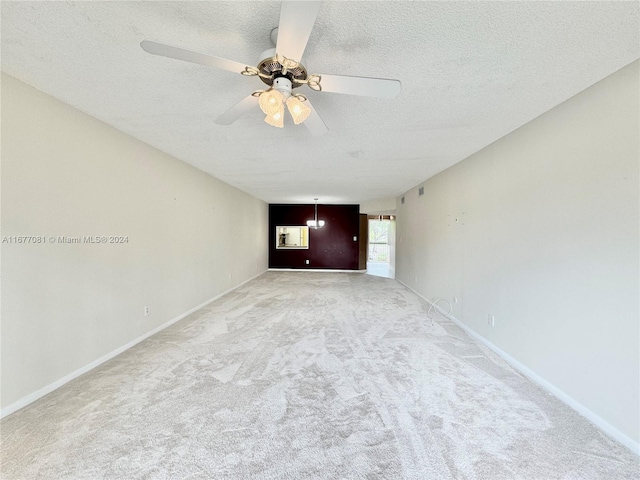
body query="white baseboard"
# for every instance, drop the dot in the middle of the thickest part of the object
(32, 397)
(321, 270)
(598, 421)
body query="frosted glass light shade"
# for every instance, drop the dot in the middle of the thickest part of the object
(312, 223)
(298, 110)
(271, 102)
(277, 119)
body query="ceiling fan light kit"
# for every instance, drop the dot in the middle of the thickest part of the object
(272, 103)
(281, 70)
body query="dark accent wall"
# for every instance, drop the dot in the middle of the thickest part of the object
(331, 246)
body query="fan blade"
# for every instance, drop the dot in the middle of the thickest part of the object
(314, 123)
(178, 53)
(239, 109)
(296, 22)
(365, 86)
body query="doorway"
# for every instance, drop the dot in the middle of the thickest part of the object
(381, 245)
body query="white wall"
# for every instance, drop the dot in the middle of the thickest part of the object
(380, 206)
(541, 229)
(190, 238)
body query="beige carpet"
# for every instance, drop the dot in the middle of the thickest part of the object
(303, 375)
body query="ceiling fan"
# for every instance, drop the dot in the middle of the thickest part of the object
(280, 69)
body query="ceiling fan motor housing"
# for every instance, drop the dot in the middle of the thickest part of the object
(271, 67)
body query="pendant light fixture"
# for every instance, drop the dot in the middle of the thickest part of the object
(315, 223)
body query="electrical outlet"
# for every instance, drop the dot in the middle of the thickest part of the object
(146, 310)
(306, 262)
(491, 320)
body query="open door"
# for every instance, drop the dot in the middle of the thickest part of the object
(364, 242)
(381, 231)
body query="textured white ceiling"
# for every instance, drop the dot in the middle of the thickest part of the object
(471, 72)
